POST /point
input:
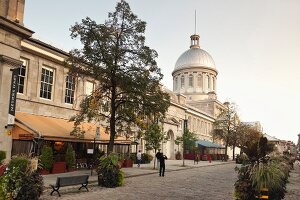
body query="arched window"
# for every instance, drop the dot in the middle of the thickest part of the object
(182, 81)
(208, 81)
(214, 83)
(199, 81)
(175, 83)
(191, 80)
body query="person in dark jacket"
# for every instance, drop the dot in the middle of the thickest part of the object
(162, 165)
(158, 155)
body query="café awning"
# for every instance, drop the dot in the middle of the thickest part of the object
(208, 144)
(57, 129)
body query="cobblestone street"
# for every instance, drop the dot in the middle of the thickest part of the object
(213, 182)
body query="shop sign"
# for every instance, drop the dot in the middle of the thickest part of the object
(13, 96)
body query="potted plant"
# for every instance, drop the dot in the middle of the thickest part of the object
(21, 180)
(2, 158)
(109, 173)
(46, 159)
(127, 162)
(70, 161)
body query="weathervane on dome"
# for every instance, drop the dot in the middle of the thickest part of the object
(195, 37)
(195, 22)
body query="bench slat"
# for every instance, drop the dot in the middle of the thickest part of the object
(71, 180)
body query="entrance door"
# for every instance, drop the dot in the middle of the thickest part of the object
(170, 151)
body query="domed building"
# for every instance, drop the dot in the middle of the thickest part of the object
(193, 97)
(195, 73)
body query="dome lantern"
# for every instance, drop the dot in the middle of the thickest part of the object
(195, 41)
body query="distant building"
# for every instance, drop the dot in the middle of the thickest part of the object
(255, 125)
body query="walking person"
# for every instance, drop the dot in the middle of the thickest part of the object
(139, 158)
(162, 165)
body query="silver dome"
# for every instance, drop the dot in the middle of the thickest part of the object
(194, 57)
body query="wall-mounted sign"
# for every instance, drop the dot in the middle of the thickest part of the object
(90, 151)
(13, 96)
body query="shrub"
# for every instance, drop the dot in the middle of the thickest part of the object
(133, 157)
(243, 186)
(46, 157)
(109, 173)
(2, 156)
(146, 158)
(70, 161)
(20, 181)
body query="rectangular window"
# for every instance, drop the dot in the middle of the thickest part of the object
(46, 83)
(89, 87)
(22, 76)
(70, 89)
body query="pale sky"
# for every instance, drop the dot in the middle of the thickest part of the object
(254, 43)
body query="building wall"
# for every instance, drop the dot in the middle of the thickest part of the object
(11, 35)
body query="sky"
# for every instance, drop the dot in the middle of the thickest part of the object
(254, 43)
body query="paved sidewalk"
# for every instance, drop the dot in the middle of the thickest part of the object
(145, 169)
(293, 186)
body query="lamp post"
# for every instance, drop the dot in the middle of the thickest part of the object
(185, 124)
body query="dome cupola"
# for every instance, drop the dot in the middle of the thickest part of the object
(195, 72)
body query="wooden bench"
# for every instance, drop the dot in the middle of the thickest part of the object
(70, 180)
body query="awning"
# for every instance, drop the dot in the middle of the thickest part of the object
(208, 144)
(57, 129)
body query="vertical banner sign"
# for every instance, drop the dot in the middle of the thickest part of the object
(13, 96)
(185, 125)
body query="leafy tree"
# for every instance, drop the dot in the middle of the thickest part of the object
(46, 157)
(187, 140)
(226, 124)
(70, 156)
(128, 86)
(153, 137)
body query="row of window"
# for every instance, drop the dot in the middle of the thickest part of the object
(199, 82)
(198, 126)
(47, 83)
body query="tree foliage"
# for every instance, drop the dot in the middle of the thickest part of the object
(128, 87)
(225, 126)
(187, 139)
(153, 137)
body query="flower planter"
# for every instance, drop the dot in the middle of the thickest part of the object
(127, 163)
(44, 171)
(120, 163)
(2, 169)
(59, 167)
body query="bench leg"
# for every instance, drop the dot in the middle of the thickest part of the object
(55, 189)
(85, 186)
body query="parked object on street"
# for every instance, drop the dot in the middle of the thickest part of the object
(70, 180)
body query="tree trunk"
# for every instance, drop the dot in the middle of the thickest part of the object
(112, 122)
(154, 158)
(233, 152)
